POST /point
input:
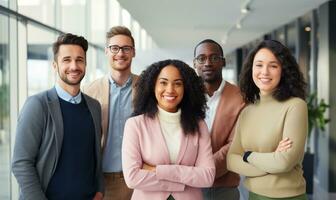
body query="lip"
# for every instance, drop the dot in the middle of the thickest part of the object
(265, 80)
(169, 98)
(74, 74)
(208, 71)
(119, 60)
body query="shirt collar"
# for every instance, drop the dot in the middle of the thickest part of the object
(218, 91)
(128, 82)
(66, 96)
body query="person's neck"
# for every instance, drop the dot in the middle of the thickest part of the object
(73, 90)
(120, 77)
(212, 87)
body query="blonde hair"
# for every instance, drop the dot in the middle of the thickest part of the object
(119, 30)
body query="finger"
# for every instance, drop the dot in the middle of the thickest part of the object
(286, 143)
(286, 147)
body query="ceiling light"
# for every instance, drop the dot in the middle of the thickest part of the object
(245, 10)
(238, 26)
(307, 28)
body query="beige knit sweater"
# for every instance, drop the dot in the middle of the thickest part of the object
(259, 129)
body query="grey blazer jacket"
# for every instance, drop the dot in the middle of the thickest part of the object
(39, 136)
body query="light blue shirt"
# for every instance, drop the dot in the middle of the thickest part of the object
(66, 96)
(120, 105)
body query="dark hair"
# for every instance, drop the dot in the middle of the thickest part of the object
(291, 83)
(193, 103)
(69, 38)
(119, 30)
(211, 42)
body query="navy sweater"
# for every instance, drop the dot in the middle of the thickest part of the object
(74, 177)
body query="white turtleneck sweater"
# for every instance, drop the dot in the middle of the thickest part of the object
(170, 124)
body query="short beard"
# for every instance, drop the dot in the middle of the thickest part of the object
(67, 81)
(213, 80)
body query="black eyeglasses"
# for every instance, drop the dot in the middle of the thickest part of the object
(201, 59)
(115, 49)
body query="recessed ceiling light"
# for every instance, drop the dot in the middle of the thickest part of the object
(307, 28)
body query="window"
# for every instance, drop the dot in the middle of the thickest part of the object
(4, 111)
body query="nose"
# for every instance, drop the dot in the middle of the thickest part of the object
(120, 52)
(265, 70)
(73, 65)
(207, 61)
(170, 88)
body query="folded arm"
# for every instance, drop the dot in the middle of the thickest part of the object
(235, 161)
(200, 175)
(295, 128)
(132, 162)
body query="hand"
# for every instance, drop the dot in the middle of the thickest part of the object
(98, 196)
(145, 166)
(284, 145)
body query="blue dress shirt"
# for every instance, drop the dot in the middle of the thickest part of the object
(66, 96)
(120, 109)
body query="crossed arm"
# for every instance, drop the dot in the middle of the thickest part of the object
(174, 177)
(283, 158)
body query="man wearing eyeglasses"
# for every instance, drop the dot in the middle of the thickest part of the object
(224, 105)
(114, 92)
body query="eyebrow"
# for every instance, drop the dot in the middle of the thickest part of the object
(277, 62)
(80, 57)
(174, 80)
(65, 57)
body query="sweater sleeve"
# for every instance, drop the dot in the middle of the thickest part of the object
(135, 176)
(295, 128)
(202, 174)
(235, 161)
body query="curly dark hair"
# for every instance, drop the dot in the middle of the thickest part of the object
(292, 83)
(193, 103)
(68, 38)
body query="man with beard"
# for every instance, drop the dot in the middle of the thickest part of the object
(224, 105)
(57, 148)
(114, 92)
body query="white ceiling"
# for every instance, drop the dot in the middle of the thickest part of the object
(178, 25)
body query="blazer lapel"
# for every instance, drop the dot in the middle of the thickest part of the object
(95, 117)
(56, 115)
(93, 112)
(183, 147)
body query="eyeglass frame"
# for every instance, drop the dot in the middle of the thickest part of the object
(122, 48)
(211, 57)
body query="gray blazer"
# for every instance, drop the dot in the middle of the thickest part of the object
(38, 143)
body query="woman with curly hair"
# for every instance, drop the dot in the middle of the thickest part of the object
(166, 151)
(268, 146)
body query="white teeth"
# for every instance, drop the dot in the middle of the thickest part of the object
(169, 98)
(265, 80)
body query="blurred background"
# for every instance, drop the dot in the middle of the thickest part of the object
(170, 29)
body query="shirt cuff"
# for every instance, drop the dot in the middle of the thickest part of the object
(246, 155)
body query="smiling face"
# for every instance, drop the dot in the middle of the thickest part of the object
(70, 65)
(211, 70)
(169, 88)
(122, 60)
(266, 71)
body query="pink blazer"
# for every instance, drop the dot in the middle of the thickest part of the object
(143, 142)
